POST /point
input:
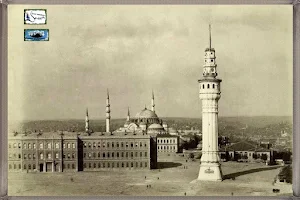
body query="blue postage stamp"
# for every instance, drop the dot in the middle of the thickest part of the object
(36, 34)
(35, 16)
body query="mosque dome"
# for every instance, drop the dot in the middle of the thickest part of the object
(156, 126)
(146, 114)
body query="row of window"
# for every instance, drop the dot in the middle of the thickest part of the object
(166, 141)
(113, 144)
(41, 145)
(115, 165)
(208, 86)
(33, 166)
(49, 156)
(114, 154)
(166, 147)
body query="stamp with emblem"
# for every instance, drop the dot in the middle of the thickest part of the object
(35, 16)
(36, 35)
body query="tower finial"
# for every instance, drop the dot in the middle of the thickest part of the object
(107, 94)
(152, 102)
(128, 115)
(87, 112)
(145, 107)
(209, 36)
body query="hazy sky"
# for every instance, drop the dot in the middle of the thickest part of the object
(133, 49)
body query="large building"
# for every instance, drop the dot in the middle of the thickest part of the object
(146, 121)
(71, 151)
(210, 93)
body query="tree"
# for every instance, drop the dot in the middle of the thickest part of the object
(254, 156)
(264, 157)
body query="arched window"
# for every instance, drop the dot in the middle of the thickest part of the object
(95, 165)
(73, 145)
(99, 155)
(108, 144)
(203, 86)
(34, 145)
(56, 145)
(29, 166)
(94, 144)
(117, 154)
(90, 145)
(49, 156)
(207, 86)
(112, 154)
(41, 145)
(73, 155)
(99, 144)
(103, 155)
(24, 146)
(56, 155)
(117, 144)
(214, 86)
(33, 167)
(108, 154)
(49, 146)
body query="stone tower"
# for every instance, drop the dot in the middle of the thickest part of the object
(210, 93)
(107, 113)
(87, 125)
(152, 102)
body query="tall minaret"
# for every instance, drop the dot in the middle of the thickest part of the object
(128, 115)
(107, 113)
(210, 93)
(152, 102)
(87, 125)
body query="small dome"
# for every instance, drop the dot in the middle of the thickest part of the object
(146, 114)
(155, 126)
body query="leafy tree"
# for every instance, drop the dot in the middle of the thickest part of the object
(264, 157)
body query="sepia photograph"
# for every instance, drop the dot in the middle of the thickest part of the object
(150, 100)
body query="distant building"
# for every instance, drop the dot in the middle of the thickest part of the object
(167, 144)
(245, 150)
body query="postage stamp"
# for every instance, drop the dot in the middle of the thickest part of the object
(36, 34)
(35, 16)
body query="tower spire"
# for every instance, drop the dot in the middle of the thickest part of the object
(152, 102)
(107, 113)
(128, 115)
(87, 125)
(209, 36)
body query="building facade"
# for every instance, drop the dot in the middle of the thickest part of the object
(71, 152)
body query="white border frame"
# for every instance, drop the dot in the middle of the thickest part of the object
(296, 86)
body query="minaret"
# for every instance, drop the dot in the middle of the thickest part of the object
(128, 115)
(87, 125)
(152, 102)
(107, 113)
(210, 93)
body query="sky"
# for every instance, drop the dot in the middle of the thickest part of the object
(132, 49)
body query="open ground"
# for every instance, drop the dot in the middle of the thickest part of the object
(176, 176)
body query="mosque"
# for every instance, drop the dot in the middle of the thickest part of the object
(146, 121)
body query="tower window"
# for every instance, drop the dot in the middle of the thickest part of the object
(203, 86)
(211, 60)
(213, 85)
(208, 86)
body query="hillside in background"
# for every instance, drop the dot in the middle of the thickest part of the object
(228, 126)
